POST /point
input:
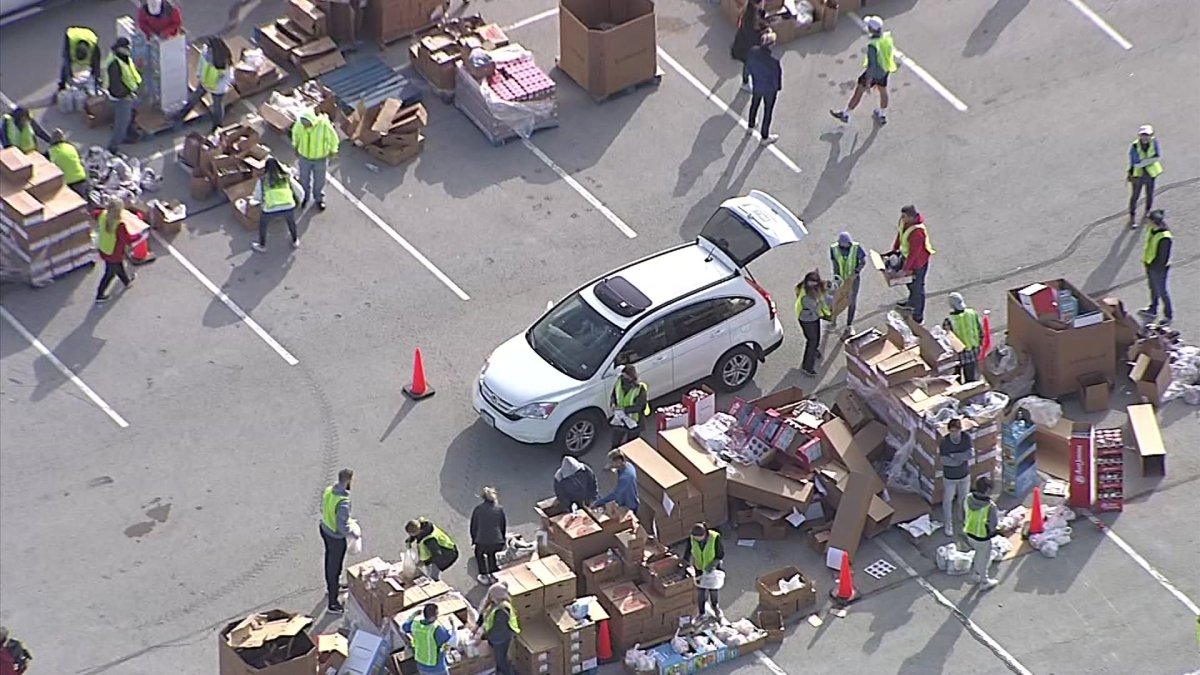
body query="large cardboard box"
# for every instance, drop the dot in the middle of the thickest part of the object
(538, 649)
(607, 45)
(768, 488)
(274, 642)
(1062, 353)
(557, 579)
(15, 166)
(656, 477)
(851, 519)
(791, 602)
(1147, 439)
(1151, 375)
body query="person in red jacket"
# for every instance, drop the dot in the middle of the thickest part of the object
(14, 658)
(912, 242)
(160, 19)
(111, 241)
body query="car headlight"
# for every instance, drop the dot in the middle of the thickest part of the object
(537, 411)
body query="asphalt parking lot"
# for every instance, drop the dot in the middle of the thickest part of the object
(122, 548)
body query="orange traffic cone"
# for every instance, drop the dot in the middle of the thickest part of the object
(419, 389)
(139, 253)
(986, 345)
(1036, 519)
(604, 650)
(844, 593)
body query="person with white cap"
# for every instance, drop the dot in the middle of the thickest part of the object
(967, 326)
(848, 259)
(879, 63)
(1144, 167)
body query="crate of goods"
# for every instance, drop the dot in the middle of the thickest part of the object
(527, 591)
(786, 591)
(577, 624)
(601, 570)
(1019, 454)
(629, 610)
(1110, 470)
(607, 45)
(576, 537)
(557, 579)
(668, 577)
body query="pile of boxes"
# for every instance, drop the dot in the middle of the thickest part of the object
(45, 230)
(437, 53)
(274, 642)
(789, 20)
(1067, 334)
(389, 132)
(230, 160)
(301, 38)
(774, 598)
(558, 643)
(281, 110)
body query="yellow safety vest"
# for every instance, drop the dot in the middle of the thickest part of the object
(975, 522)
(329, 506)
(965, 325)
(627, 398)
(845, 263)
(703, 556)
(317, 141)
(21, 137)
(275, 197)
(130, 76)
(76, 35)
(424, 643)
(66, 158)
(1152, 170)
(106, 240)
(823, 309)
(1150, 250)
(442, 540)
(490, 619)
(210, 75)
(886, 50)
(905, 231)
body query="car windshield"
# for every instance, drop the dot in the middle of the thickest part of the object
(735, 239)
(574, 338)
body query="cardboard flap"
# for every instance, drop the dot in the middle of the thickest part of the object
(257, 630)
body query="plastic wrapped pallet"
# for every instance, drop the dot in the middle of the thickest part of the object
(501, 119)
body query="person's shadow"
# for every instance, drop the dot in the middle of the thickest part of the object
(834, 181)
(994, 22)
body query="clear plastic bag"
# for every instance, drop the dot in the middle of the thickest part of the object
(1042, 411)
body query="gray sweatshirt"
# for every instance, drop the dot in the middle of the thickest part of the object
(343, 514)
(976, 501)
(808, 307)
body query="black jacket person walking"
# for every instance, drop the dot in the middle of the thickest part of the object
(766, 77)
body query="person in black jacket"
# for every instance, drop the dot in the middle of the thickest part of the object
(575, 484)
(488, 534)
(81, 49)
(121, 78)
(749, 31)
(1156, 257)
(766, 74)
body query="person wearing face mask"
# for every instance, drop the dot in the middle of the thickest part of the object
(625, 492)
(159, 19)
(631, 398)
(812, 307)
(848, 259)
(956, 450)
(121, 79)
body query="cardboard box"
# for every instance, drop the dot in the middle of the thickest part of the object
(538, 649)
(771, 598)
(15, 166)
(889, 278)
(45, 179)
(20, 208)
(693, 461)
(274, 642)
(1061, 354)
(306, 15)
(1151, 375)
(1147, 439)
(1094, 390)
(771, 621)
(607, 45)
(850, 521)
(368, 654)
(655, 473)
(558, 581)
(768, 488)
(851, 408)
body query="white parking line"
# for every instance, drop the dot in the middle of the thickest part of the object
(212, 288)
(62, 368)
(1144, 564)
(1102, 24)
(532, 19)
(972, 627)
(769, 663)
(583, 192)
(919, 71)
(716, 100)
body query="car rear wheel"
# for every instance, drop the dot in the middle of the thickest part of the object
(578, 434)
(735, 368)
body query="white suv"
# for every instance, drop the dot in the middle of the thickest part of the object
(679, 316)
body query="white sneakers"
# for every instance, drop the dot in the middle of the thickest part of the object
(985, 584)
(767, 140)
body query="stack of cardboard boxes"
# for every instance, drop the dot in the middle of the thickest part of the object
(670, 504)
(630, 611)
(280, 111)
(578, 636)
(389, 132)
(437, 52)
(538, 584)
(302, 39)
(231, 160)
(45, 230)
(381, 595)
(390, 20)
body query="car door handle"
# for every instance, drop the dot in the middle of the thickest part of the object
(717, 332)
(659, 359)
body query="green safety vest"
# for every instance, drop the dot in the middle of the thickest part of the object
(106, 240)
(277, 196)
(1152, 170)
(21, 137)
(905, 231)
(704, 555)
(329, 506)
(130, 76)
(77, 35)
(490, 619)
(442, 540)
(886, 50)
(1150, 250)
(66, 158)
(823, 309)
(845, 263)
(424, 642)
(627, 398)
(975, 523)
(316, 142)
(965, 325)
(209, 75)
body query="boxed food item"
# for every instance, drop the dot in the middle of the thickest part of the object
(557, 579)
(797, 592)
(539, 649)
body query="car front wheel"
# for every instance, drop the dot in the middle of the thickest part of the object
(735, 368)
(578, 434)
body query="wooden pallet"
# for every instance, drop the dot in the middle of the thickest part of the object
(651, 82)
(498, 141)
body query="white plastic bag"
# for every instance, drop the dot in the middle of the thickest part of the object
(409, 565)
(712, 580)
(354, 543)
(1042, 411)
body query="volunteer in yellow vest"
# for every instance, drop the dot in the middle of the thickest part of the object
(1156, 258)
(631, 396)
(215, 76)
(315, 141)
(879, 63)
(112, 238)
(912, 243)
(81, 51)
(499, 626)
(967, 326)
(335, 528)
(429, 640)
(1144, 167)
(435, 549)
(121, 81)
(19, 129)
(979, 525)
(848, 259)
(65, 156)
(706, 554)
(813, 305)
(276, 191)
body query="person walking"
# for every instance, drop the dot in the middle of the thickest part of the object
(625, 492)
(1144, 167)
(1156, 257)
(112, 239)
(574, 484)
(436, 551)
(750, 27)
(956, 450)
(912, 242)
(81, 52)
(630, 401)
(879, 63)
(766, 77)
(215, 70)
(65, 156)
(848, 259)
(335, 528)
(315, 141)
(967, 326)
(121, 79)
(812, 307)
(489, 530)
(979, 524)
(706, 554)
(276, 190)
(20, 130)
(499, 626)
(429, 640)
(14, 657)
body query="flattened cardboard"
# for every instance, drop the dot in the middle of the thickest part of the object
(1151, 376)
(851, 518)
(1147, 439)
(655, 471)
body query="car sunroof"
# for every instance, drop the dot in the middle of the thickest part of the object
(621, 296)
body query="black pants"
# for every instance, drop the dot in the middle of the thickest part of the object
(265, 218)
(111, 269)
(1157, 278)
(622, 435)
(768, 100)
(216, 111)
(812, 344)
(705, 596)
(335, 556)
(485, 557)
(503, 665)
(1136, 191)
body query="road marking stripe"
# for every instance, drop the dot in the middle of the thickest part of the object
(583, 192)
(716, 100)
(1144, 564)
(972, 627)
(768, 663)
(212, 288)
(1102, 24)
(62, 368)
(919, 71)
(532, 19)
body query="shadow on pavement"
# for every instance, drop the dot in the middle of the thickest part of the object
(834, 181)
(994, 22)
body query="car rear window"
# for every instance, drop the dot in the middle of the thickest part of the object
(735, 239)
(574, 338)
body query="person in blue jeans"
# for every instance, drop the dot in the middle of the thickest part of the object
(766, 79)
(625, 493)
(429, 641)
